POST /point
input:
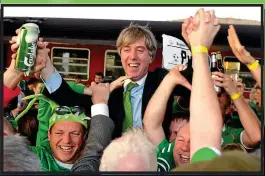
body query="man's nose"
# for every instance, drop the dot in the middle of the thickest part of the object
(186, 147)
(66, 139)
(133, 54)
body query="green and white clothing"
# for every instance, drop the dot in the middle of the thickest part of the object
(232, 135)
(205, 154)
(48, 162)
(165, 159)
(42, 148)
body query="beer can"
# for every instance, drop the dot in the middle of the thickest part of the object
(27, 41)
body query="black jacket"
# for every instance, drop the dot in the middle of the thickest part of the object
(64, 95)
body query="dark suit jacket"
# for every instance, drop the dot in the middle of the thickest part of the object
(99, 137)
(151, 84)
(65, 96)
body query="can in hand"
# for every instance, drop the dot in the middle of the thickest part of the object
(27, 41)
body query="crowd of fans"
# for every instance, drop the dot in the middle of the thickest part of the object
(145, 121)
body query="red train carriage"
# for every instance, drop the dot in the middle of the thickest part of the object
(86, 46)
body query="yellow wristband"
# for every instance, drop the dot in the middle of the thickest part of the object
(254, 65)
(199, 49)
(235, 96)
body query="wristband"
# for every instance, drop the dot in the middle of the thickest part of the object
(199, 49)
(235, 96)
(253, 65)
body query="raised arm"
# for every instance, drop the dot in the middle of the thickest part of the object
(155, 111)
(113, 85)
(243, 55)
(11, 79)
(58, 89)
(205, 114)
(12, 76)
(100, 132)
(252, 134)
(44, 113)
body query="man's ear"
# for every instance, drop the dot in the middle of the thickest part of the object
(49, 134)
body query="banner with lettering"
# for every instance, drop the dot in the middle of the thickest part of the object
(175, 52)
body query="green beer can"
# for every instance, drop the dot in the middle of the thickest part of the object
(27, 41)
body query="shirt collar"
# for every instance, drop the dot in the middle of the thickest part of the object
(139, 82)
(67, 166)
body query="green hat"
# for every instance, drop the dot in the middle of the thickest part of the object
(78, 117)
(57, 115)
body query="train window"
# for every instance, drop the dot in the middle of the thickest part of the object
(71, 62)
(113, 66)
(248, 80)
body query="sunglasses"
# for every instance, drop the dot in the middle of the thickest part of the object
(62, 110)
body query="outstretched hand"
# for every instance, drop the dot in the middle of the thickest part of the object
(225, 81)
(100, 93)
(201, 29)
(42, 57)
(176, 77)
(239, 51)
(118, 82)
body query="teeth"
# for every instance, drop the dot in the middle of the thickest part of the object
(65, 148)
(185, 157)
(134, 65)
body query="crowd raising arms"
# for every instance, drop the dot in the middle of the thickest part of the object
(199, 32)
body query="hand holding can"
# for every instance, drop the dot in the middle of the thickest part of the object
(27, 41)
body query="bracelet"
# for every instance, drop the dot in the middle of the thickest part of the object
(199, 49)
(235, 96)
(253, 65)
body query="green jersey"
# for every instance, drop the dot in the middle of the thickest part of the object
(232, 135)
(205, 154)
(48, 162)
(165, 159)
(42, 148)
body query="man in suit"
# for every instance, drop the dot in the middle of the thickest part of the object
(137, 47)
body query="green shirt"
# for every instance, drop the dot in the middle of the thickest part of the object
(165, 159)
(231, 135)
(47, 160)
(236, 120)
(205, 154)
(42, 148)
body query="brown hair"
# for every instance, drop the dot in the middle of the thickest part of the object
(28, 125)
(233, 147)
(135, 32)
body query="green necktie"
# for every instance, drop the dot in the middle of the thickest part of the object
(128, 121)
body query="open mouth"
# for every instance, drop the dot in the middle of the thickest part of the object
(134, 65)
(184, 159)
(66, 148)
